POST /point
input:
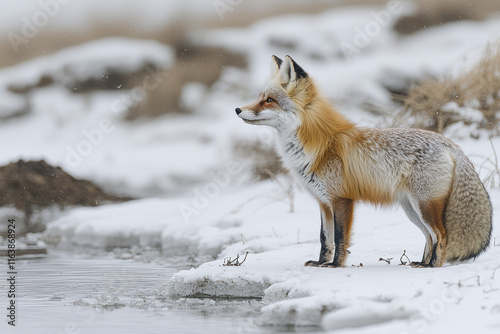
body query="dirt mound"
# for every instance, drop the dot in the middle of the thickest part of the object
(32, 185)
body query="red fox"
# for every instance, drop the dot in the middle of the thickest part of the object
(340, 164)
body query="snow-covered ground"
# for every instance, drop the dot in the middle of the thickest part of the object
(214, 212)
(368, 293)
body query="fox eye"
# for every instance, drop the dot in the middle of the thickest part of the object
(270, 100)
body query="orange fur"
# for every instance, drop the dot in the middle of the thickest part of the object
(321, 124)
(261, 104)
(357, 185)
(433, 212)
(325, 133)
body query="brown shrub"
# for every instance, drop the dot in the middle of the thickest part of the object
(477, 87)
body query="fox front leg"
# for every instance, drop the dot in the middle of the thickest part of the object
(341, 218)
(326, 238)
(343, 210)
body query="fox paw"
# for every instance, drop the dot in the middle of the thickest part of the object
(312, 263)
(420, 265)
(321, 264)
(330, 265)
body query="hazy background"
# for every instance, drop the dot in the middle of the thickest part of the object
(169, 20)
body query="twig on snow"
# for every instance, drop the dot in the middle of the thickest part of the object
(404, 263)
(235, 262)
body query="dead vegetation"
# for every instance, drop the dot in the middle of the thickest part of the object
(472, 97)
(492, 166)
(234, 262)
(404, 262)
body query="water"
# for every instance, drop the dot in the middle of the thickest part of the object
(72, 293)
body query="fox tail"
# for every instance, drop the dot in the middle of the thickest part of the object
(468, 214)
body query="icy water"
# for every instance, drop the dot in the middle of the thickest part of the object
(101, 294)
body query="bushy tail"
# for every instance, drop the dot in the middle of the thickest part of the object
(468, 215)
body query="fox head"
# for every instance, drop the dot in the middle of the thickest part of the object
(287, 94)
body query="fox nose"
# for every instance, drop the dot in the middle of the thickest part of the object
(238, 111)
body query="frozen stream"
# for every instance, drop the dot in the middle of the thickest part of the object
(72, 293)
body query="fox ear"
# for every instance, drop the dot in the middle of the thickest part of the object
(296, 71)
(275, 65)
(290, 71)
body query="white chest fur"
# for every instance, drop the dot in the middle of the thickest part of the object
(298, 162)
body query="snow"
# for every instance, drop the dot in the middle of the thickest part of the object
(11, 105)
(90, 60)
(392, 297)
(199, 203)
(399, 297)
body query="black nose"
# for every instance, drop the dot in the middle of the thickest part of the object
(238, 111)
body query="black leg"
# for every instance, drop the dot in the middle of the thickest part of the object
(342, 217)
(325, 237)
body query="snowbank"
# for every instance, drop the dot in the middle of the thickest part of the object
(367, 294)
(90, 60)
(191, 226)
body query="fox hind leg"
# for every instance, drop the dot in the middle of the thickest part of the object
(428, 216)
(414, 217)
(432, 213)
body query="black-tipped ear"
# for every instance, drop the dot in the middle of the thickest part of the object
(299, 72)
(275, 65)
(277, 61)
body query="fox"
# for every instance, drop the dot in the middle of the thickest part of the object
(341, 164)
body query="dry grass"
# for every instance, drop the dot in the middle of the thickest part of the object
(477, 88)
(492, 166)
